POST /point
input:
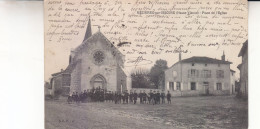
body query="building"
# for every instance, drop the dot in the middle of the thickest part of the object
(243, 67)
(198, 76)
(95, 63)
(232, 82)
(60, 82)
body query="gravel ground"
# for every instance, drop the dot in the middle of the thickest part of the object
(214, 112)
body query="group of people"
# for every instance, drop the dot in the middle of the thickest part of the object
(101, 95)
(93, 95)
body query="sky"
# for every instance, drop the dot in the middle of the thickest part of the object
(171, 30)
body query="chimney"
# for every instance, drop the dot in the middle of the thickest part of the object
(179, 56)
(223, 56)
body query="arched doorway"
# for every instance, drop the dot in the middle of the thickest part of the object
(98, 81)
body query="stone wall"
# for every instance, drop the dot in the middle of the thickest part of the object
(179, 73)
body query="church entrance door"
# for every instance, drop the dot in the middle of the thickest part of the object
(98, 81)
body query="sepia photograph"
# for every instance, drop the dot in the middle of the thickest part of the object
(146, 64)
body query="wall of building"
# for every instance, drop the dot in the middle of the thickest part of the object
(232, 83)
(75, 79)
(88, 69)
(146, 90)
(244, 75)
(185, 80)
(121, 80)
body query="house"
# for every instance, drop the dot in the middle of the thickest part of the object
(232, 82)
(95, 63)
(198, 76)
(243, 67)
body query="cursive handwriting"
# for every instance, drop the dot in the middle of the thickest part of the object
(137, 61)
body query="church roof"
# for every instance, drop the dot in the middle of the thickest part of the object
(88, 31)
(91, 38)
(243, 49)
(100, 36)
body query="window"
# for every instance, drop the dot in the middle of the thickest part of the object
(178, 86)
(99, 57)
(206, 73)
(192, 86)
(192, 64)
(206, 83)
(193, 73)
(171, 86)
(206, 65)
(219, 86)
(220, 74)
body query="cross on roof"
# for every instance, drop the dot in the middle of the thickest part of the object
(99, 28)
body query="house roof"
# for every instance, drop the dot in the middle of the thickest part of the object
(239, 66)
(243, 49)
(232, 70)
(198, 59)
(58, 73)
(203, 60)
(68, 70)
(71, 67)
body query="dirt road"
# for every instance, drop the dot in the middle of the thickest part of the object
(193, 112)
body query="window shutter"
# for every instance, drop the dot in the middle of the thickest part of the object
(197, 73)
(189, 73)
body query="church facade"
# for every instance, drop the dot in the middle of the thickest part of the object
(96, 63)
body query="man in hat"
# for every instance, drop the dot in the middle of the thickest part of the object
(141, 97)
(158, 95)
(144, 97)
(163, 97)
(131, 96)
(169, 97)
(135, 97)
(126, 96)
(150, 95)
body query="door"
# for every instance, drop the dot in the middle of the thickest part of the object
(98, 81)
(206, 88)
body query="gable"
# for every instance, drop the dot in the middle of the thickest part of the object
(89, 44)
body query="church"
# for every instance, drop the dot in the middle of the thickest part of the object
(95, 63)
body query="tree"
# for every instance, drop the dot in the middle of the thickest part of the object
(157, 73)
(140, 79)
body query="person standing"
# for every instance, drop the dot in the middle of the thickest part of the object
(77, 97)
(154, 97)
(131, 96)
(119, 97)
(150, 96)
(169, 97)
(115, 97)
(126, 96)
(123, 97)
(141, 97)
(144, 97)
(135, 97)
(163, 97)
(158, 95)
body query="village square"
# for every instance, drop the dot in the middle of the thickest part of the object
(196, 92)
